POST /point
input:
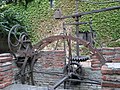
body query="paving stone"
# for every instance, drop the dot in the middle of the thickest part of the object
(24, 87)
(27, 87)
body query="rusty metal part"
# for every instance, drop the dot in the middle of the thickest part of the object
(91, 12)
(28, 55)
(18, 33)
(58, 14)
(69, 71)
(21, 48)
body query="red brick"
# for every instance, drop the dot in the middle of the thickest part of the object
(60, 54)
(108, 49)
(2, 69)
(95, 65)
(116, 59)
(94, 57)
(59, 65)
(117, 48)
(111, 78)
(109, 60)
(6, 73)
(110, 84)
(1, 78)
(110, 72)
(95, 69)
(13, 67)
(62, 51)
(109, 53)
(104, 67)
(5, 59)
(5, 55)
(3, 85)
(95, 62)
(7, 79)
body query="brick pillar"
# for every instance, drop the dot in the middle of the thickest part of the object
(112, 55)
(6, 73)
(111, 76)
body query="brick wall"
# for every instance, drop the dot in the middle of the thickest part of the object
(6, 73)
(51, 64)
(111, 76)
(53, 59)
(112, 55)
(111, 70)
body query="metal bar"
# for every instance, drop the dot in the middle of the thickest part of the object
(70, 50)
(61, 81)
(91, 12)
(77, 35)
(64, 33)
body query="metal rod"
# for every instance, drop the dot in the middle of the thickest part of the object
(64, 33)
(77, 35)
(91, 12)
(60, 82)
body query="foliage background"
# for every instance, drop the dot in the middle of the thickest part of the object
(38, 18)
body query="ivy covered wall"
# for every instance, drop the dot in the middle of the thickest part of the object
(38, 17)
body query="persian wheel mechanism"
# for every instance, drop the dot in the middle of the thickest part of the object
(20, 45)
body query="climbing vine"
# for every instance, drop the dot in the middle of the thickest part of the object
(38, 17)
